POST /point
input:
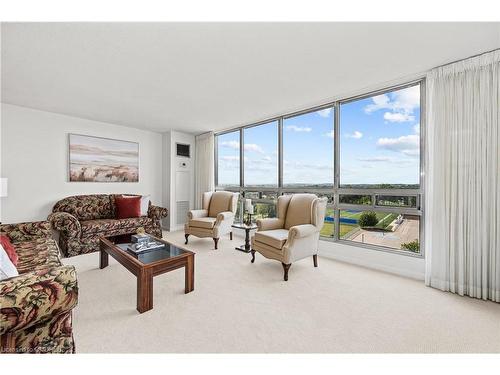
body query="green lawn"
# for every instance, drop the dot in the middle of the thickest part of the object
(328, 228)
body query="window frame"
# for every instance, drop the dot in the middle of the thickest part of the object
(419, 210)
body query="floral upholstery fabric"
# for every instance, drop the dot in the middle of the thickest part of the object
(64, 222)
(87, 207)
(37, 255)
(106, 225)
(82, 219)
(156, 213)
(26, 231)
(35, 307)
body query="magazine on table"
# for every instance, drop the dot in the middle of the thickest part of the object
(142, 247)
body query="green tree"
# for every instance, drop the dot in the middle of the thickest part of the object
(413, 246)
(368, 219)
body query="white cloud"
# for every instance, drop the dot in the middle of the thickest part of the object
(231, 144)
(296, 128)
(398, 117)
(416, 128)
(230, 158)
(324, 112)
(356, 135)
(252, 147)
(401, 104)
(376, 159)
(406, 144)
(329, 134)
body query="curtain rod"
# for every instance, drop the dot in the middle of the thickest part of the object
(467, 58)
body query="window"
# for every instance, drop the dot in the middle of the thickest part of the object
(308, 150)
(261, 155)
(380, 141)
(375, 199)
(228, 159)
(386, 229)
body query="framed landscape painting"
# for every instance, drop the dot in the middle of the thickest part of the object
(95, 159)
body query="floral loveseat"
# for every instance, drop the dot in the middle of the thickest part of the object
(35, 307)
(82, 219)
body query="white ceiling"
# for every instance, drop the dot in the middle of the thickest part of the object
(196, 77)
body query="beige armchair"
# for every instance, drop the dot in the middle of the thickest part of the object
(216, 217)
(294, 234)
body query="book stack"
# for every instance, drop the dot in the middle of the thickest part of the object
(140, 238)
(144, 245)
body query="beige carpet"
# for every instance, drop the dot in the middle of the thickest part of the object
(242, 307)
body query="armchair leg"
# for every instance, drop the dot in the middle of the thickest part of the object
(215, 241)
(315, 260)
(253, 255)
(186, 235)
(286, 267)
(231, 236)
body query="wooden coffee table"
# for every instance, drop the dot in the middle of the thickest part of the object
(147, 265)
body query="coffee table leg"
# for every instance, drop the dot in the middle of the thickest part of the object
(145, 291)
(103, 258)
(189, 274)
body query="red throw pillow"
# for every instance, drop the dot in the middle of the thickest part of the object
(128, 207)
(9, 249)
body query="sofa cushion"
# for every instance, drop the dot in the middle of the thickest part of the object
(7, 268)
(127, 207)
(37, 255)
(87, 207)
(220, 202)
(203, 222)
(299, 210)
(275, 238)
(9, 249)
(108, 225)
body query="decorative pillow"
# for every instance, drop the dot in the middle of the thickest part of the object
(9, 249)
(128, 207)
(7, 268)
(144, 203)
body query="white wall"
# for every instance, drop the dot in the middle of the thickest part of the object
(34, 157)
(404, 265)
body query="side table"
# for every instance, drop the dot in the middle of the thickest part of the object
(246, 247)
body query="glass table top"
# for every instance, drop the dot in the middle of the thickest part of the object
(148, 256)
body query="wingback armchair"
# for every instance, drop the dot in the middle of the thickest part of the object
(294, 234)
(216, 217)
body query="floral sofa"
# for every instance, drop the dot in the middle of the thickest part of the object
(35, 307)
(82, 219)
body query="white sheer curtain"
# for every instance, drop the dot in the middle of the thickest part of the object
(204, 169)
(462, 225)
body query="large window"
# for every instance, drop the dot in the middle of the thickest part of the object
(308, 149)
(261, 155)
(228, 159)
(380, 141)
(362, 153)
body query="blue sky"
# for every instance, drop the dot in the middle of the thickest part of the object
(379, 144)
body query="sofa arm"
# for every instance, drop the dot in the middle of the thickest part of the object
(36, 297)
(269, 224)
(30, 231)
(301, 231)
(223, 216)
(66, 223)
(156, 213)
(194, 214)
